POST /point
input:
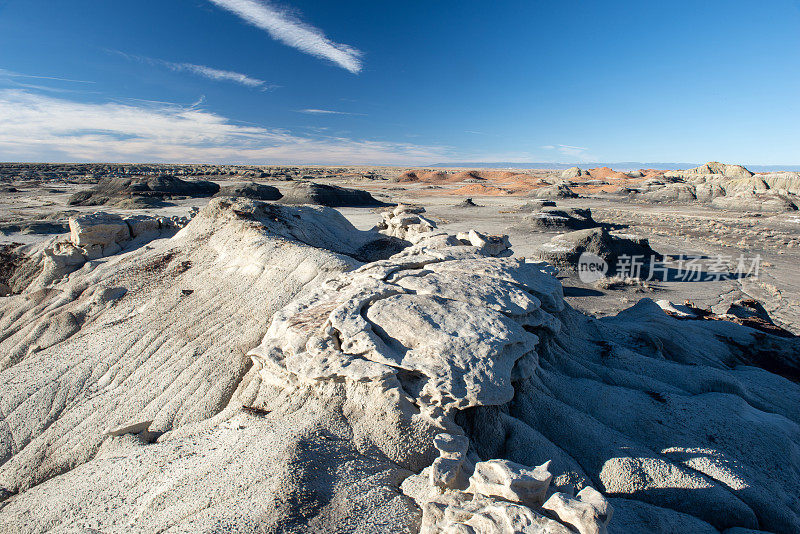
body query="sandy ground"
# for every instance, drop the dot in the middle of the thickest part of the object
(689, 230)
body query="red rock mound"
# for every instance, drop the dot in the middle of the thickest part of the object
(409, 176)
(466, 175)
(607, 173)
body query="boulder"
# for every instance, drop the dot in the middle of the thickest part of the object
(511, 481)
(132, 428)
(446, 472)
(467, 203)
(536, 205)
(143, 225)
(491, 245)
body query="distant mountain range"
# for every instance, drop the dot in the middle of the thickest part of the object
(619, 166)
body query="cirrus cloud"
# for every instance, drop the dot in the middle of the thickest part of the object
(312, 111)
(291, 31)
(201, 70)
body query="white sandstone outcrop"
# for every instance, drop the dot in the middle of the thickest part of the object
(101, 229)
(405, 222)
(491, 245)
(92, 236)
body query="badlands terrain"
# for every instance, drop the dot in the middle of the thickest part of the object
(198, 348)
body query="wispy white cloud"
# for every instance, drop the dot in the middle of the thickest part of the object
(217, 74)
(313, 111)
(45, 128)
(11, 74)
(211, 73)
(569, 147)
(291, 31)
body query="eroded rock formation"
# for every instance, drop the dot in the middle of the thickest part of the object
(565, 250)
(326, 195)
(730, 187)
(251, 374)
(141, 191)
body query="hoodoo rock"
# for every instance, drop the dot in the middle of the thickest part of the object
(405, 222)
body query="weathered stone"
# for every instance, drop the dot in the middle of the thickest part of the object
(511, 481)
(98, 229)
(589, 512)
(133, 428)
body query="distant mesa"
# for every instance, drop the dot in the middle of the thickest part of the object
(468, 176)
(721, 185)
(430, 177)
(730, 187)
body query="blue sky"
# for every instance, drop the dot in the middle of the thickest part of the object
(412, 82)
